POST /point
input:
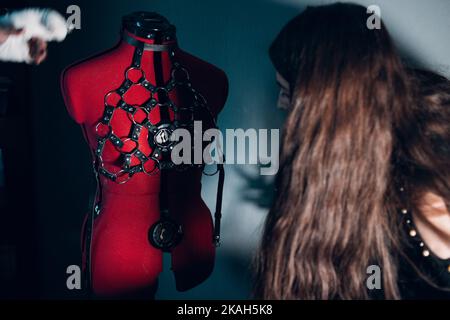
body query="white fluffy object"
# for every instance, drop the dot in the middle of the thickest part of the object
(46, 24)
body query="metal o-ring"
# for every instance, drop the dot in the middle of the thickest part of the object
(137, 69)
(114, 174)
(150, 173)
(122, 173)
(131, 115)
(162, 89)
(108, 95)
(182, 69)
(211, 174)
(103, 136)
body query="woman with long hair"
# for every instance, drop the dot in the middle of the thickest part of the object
(355, 161)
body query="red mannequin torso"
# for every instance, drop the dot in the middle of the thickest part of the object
(123, 261)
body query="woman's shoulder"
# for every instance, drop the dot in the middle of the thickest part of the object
(421, 274)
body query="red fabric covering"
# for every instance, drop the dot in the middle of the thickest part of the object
(123, 260)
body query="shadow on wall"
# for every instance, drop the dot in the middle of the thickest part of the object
(234, 35)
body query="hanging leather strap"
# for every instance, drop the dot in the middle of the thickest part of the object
(218, 213)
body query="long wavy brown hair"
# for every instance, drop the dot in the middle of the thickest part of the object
(335, 211)
(422, 154)
(421, 161)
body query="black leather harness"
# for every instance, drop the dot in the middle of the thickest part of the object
(165, 234)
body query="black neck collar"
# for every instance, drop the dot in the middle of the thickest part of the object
(148, 46)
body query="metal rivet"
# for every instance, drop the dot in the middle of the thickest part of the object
(404, 211)
(421, 244)
(413, 233)
(426, 253)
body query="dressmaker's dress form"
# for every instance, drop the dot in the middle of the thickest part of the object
(123, 262)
